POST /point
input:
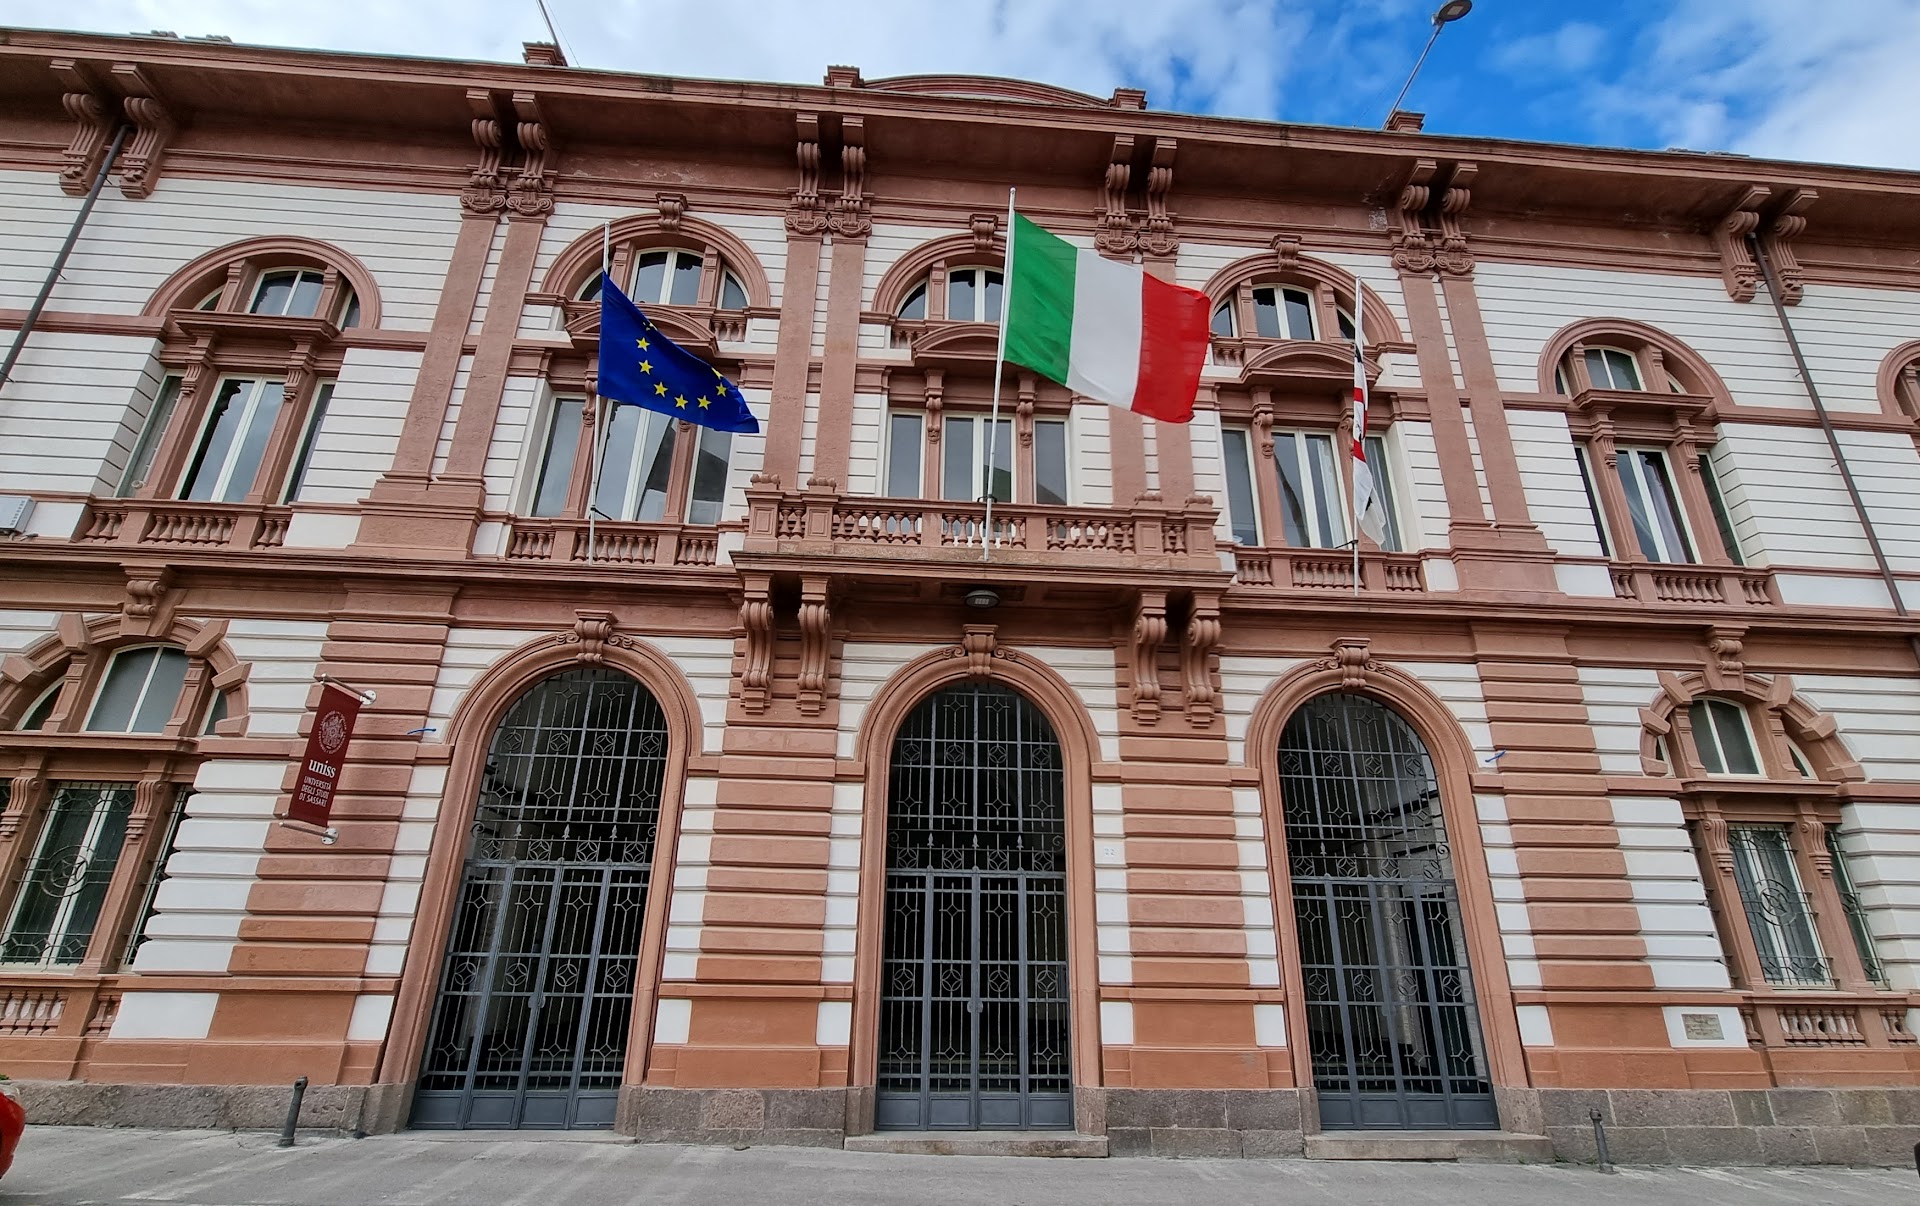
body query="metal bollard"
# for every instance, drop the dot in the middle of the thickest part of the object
(1599, 1141)
(293, 1112)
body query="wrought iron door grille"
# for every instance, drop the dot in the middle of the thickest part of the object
(1392, 1021)
(973, 994)
(536, 994)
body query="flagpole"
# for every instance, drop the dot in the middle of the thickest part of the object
(1359, 434)
(999, 361)
(593, 487)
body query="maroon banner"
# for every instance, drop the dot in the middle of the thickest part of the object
(326, 753)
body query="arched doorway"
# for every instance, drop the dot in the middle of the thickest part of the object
(1393, 1025)
(536, 991)
(973, 1025)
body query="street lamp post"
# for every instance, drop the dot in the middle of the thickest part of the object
(1446, 14)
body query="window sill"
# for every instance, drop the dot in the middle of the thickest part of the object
(1689, 584)
(1790, 1018)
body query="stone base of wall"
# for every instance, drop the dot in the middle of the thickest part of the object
(1229, 1123)
(782, 1117)
(1735, 1126)
(350, 1109)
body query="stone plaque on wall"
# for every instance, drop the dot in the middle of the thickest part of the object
(1701, 1025)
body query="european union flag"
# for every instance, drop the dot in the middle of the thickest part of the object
(641, 367)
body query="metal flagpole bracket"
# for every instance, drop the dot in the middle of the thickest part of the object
(366, 697)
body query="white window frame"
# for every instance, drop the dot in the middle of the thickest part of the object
(1583, 457)
(1770, 941)
(1385, 482)
(303, 459)
(1631, 472)
(633, 496)
(140, 699)
(701, 436)
(1065, 424)
(1325, 518)
(299, 276)
(980, 273)
(43, 699)
(223, 475)
(152, 430)
(1639, 375)
(889, 445)
(981, 427)
(674, 256)
(1717, 503)
(536, 464)
(63, 912)
(1710, 705)
(1244, 462)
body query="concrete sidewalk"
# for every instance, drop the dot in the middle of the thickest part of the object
(72, 1166)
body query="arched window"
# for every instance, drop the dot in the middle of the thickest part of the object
(1383, 948)
(103, 738)
(1279, 312)
(249, 356)
(673, 276)
(1639, 403)
(1756, 786)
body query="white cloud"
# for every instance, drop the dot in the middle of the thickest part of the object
(1575, 46)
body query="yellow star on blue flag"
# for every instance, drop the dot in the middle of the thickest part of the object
(669, 374)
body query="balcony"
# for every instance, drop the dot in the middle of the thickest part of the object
(1694, 585)
(1152, 538)
(1327, 571)
(566, 542)
(163, 524)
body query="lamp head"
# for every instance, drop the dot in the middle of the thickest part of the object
(1452, 10)
(981, 598)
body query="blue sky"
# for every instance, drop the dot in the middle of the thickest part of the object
(1831, 81)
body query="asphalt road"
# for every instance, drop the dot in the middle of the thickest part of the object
(74, 1166)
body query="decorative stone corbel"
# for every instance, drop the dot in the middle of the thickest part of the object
(850, 219)
(978, 644)
(1149, 630)
(1286, 253)
(143, 612)
(22, 797)
(532, 192)
(1777, 241)
(1196, 659)
(984, 227)
(1160, 238)
(1353, 658)
(1737, 269)
(1263, 419)
(935, 399)
(672, 206)
(1411, 250)
(1726, 671)
(93, 127)
(756, 620)
(1028, 394)
(147, 796)
(804, 215)
(592, 631)
(814, 618)
(1453, 255)
(1113, 229)
(1713, 830)
(1813, 839)
(153, 127)
(486, 191)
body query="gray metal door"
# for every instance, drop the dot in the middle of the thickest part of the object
(973, 990)
(1392, 1023)
(536, 994)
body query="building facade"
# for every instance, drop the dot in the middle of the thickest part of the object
(759, 788)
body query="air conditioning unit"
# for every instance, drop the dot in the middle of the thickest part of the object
(15, 510)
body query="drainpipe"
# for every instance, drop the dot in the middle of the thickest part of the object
(60, 261)
(1833, 442)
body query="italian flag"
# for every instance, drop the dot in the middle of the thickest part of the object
(1103, 328)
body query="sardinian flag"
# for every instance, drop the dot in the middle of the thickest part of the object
(1367, 509)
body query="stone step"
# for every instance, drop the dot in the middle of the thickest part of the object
(1487, 1147)
(1057, 1144)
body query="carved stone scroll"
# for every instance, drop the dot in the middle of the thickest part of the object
(153, 127)
(486, 190)
(1777, 241)
(756, 619)
(1737, 268)
(1197, 657)
(814, 619)
(804, 215)
(1412, 252)
(1149, 630)
(532, 191)
(1113, 229)
(1453, 255)
(850, 219)
(1160, 238)
(977, 643)
(672, 206)
(93, 127)
(984, 227)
